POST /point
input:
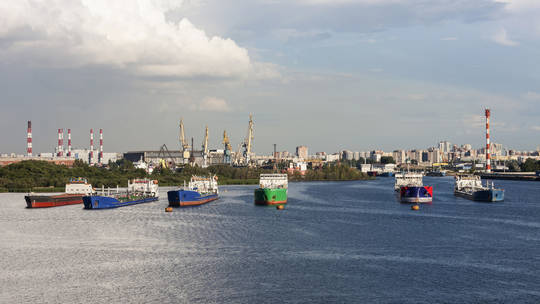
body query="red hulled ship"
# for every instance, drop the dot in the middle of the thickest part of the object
(75, 190)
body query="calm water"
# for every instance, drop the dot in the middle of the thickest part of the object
(347, 242)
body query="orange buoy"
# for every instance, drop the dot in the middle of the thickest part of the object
(415, 207)
(168, 209)
(280, 207)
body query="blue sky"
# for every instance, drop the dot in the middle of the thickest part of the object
(332, 75)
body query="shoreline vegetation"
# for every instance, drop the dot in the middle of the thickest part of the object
(41, 176)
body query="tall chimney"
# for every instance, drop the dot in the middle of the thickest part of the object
(488, 148)
(100, 145)
(60, 142)
(91, 154)
(29, 139)
(69, 143)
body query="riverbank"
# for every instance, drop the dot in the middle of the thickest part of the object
(40, 176)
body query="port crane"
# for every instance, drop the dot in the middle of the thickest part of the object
(248, 142)
(183, 142)
(242, 158)
(165, 154)
(205, 149)
(228, 148)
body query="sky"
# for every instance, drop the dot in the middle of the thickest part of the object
(329, 74)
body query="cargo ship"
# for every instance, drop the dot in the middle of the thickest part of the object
(272, 190)
(200, 190)
(76, 188)
(411, 188)
(471, 187)
(138, 191)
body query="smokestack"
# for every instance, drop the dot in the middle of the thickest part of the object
(100, 145)
(60, 142)
(69, 143)
(488, 152)
(29, 139)
(91, 154)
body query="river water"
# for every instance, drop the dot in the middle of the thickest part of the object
(344, 242)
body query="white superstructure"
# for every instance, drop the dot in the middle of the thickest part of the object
(408, 179)
(79, 186)
(273, 181)
(144, 185)
(203, 184)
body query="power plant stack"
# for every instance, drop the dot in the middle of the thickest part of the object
(69, 143)
(100, 155)
(60, 150)
(91, 154)
(29, 139)
(488, 152)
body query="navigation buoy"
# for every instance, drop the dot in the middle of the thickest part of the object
(280, 207)
(415, 207)
(168, 209)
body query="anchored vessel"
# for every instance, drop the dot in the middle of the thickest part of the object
(138, 191)
(76, 188)
(471, 187)
(200, 190)
(411, 188)
(272, 189)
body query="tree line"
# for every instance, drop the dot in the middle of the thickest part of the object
(33, 175)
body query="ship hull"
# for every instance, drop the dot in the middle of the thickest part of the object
(106, 202)
(45, 201)
(489, 195)
(266, 196)
(386, 174)
(186, 198)
(413, 194)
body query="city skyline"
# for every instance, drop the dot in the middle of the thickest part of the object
(332, 75)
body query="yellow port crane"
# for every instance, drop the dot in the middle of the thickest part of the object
(183, 143)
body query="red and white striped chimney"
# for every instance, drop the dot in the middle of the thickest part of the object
(69, 143)
(60, 151)
(29, 139)
(91, 155)
(100, 145)
(488, 148)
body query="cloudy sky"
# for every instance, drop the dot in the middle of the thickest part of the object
(329, 74)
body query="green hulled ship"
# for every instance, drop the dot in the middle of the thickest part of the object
(272, 189)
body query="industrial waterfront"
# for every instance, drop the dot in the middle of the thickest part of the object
(334, 242)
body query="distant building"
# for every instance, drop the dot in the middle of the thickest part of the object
(302, 152)
(347, 155)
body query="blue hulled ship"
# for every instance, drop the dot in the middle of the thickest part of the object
(471, 187)
(200, 190)
(411, 189)
(138, 191)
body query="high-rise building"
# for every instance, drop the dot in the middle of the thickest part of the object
(302, 152)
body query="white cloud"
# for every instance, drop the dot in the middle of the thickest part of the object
(449, 38)
(211, 104)
(501, 37)
(533, 96)
(130, 35)
(520, 5)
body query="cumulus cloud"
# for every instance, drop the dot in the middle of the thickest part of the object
(501, 37)
(211, 104)
(131, 35)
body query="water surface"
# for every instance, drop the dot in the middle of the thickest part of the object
(345, 242)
